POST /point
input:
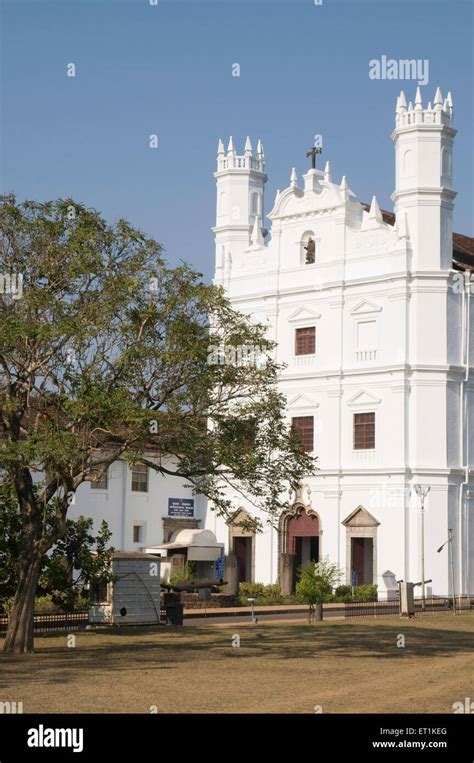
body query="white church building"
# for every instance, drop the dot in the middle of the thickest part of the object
(371, 313)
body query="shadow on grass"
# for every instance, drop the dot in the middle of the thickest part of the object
(166, 648)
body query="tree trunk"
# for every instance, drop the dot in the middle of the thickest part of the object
(319, 611)
(19, 638)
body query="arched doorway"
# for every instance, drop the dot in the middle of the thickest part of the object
(299, 535)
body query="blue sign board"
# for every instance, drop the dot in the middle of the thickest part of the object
(181, 507)
(355, 578)
(219, 567)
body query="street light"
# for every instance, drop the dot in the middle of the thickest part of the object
(251, 599)
(438, 550)
(422, 491)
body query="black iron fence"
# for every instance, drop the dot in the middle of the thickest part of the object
(392, 607)
(54, 622)
(371, 608)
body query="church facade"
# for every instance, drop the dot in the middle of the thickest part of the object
(371, 313)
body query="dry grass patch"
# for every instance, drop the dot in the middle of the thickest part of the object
(344, 666)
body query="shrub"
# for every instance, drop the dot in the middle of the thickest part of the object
(365, 592)
(264, 595)
(272, 591)
(343, 593)
(253, 590)
(343, 590)
(315, 585)
(44, 605)
(184, 573)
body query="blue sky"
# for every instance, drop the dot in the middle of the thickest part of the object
(167, 69)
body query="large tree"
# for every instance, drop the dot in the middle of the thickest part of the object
(78, 559)
(106, 354)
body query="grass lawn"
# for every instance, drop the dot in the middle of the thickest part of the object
(343, 666)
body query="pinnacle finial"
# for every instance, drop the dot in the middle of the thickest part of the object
(260, 149)
(410, 106)
(418, 100)
(374, 212)
(450, 99)
(248, 147)
(327, 172)
(438, 100)
(230, 147)
(256, 238)
(293, 179)
(343, 186)
(220, 148)
(402, 101)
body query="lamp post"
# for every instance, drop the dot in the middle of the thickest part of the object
(422, 491)
(450, 540)
(251, 599)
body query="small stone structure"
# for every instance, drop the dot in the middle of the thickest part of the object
(133, 597)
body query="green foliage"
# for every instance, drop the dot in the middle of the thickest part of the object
(343, 590)
(264, 595)
(343, 593)
(183, 573)
(316, 581)
(109, 350)
(78, 550)
(77, 559)
(365, 592)
(10, 526)
(44, 605)
(139, 335)
(251, 590)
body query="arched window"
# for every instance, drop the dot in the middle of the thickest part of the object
(308, 248)
(445, 163)
(255, 204)
(408, 168)
(223, 203)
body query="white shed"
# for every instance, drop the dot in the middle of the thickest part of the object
(134, 594)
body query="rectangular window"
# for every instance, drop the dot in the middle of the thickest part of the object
(303, 428)
(102, 483)
(140, 478)
(305, 341)
(364, 431)
(99, 592)
(137, 533)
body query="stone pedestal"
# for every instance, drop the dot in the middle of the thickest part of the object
(287, 562)
(231, 574)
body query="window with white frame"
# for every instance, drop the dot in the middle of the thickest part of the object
(364, 431)
(140, 478)
(305, 341)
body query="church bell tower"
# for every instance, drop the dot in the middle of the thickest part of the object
(424, 193)
(240, 181)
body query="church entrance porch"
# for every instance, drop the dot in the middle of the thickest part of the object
(239, 564)
(299, 542)
(362, 554)
(361, 547)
